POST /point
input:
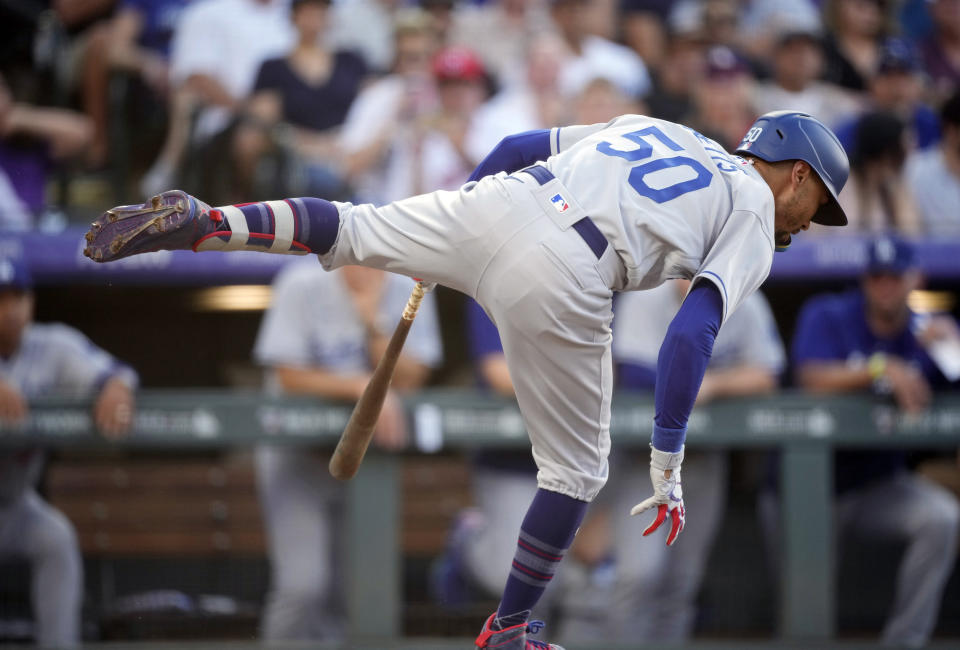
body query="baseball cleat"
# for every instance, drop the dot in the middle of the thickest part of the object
(513, 637)
(172, 220)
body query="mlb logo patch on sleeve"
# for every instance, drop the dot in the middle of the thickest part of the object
(559, 203)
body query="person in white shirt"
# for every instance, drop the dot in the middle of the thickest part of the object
(592, 56)
(934, 176)
(217, 49)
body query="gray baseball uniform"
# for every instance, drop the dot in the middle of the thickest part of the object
(52, 359)
(696, 213)
(311, 323)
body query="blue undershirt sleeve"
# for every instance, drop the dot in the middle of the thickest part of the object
(514, 152)
(683, 360)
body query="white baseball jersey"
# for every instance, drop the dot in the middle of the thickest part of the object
(671, 202)
(53, 360)
(311, 322)
(641, 319)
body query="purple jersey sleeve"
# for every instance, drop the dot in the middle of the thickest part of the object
(483, 334)
(683, 360)
(514, 152)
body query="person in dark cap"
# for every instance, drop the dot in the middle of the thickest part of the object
(797, 66)
(43, 360)
(877, 198)
(869, 341)
(898, 86)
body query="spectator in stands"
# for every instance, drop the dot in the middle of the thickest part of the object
(643, 25)
(675, 82)
(436, 150)
(652, 594)
(877, 197)
(39, 361)
(941, 50)
(501, 32)
(430, 152)
(323, 334)
(533, 102)
(870, 341)
(857, 29)
(389, 107)
(299, 102)
(723, 100)
(764, 21)
(33, 139)
(593, 56)
(441, 13)
(797, 58)
(898, 88)
(79, 55)
(217, 49)
(138, 38)
(368, 28)
(933, 176)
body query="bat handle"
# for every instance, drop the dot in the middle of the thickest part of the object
(357, 434)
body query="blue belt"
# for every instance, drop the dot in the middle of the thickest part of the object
(585, 227)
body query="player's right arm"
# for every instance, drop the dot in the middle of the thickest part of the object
(681, 365)
(521, 150)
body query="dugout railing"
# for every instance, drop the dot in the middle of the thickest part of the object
(804, 428)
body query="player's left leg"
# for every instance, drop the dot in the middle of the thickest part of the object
(550, 297)
(907, 507)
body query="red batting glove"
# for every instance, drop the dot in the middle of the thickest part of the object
(668, 493)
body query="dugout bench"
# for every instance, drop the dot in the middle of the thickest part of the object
(804, 428)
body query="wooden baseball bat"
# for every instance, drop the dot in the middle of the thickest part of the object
(356, 436)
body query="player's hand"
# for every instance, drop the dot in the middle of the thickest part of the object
(909, 386)
(13, 407)
(113, 410)
(391, 430)
(938, 328)
(667, 493)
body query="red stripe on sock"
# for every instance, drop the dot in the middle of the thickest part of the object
(531, 572)
(258, 235)
(218, 233)
(533, 549)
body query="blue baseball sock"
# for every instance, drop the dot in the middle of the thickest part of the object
(298, 225)
(546, 533)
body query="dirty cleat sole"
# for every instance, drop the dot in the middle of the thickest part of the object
(171, 220)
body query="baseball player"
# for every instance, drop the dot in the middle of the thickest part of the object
(43, 360)
(550, 224)
(322, 334)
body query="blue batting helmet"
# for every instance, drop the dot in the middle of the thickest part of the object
(791, 135)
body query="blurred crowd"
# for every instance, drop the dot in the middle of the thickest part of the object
(376, 100)
(373, 100)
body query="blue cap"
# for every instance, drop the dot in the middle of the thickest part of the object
(14, 274)
(889, 255)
